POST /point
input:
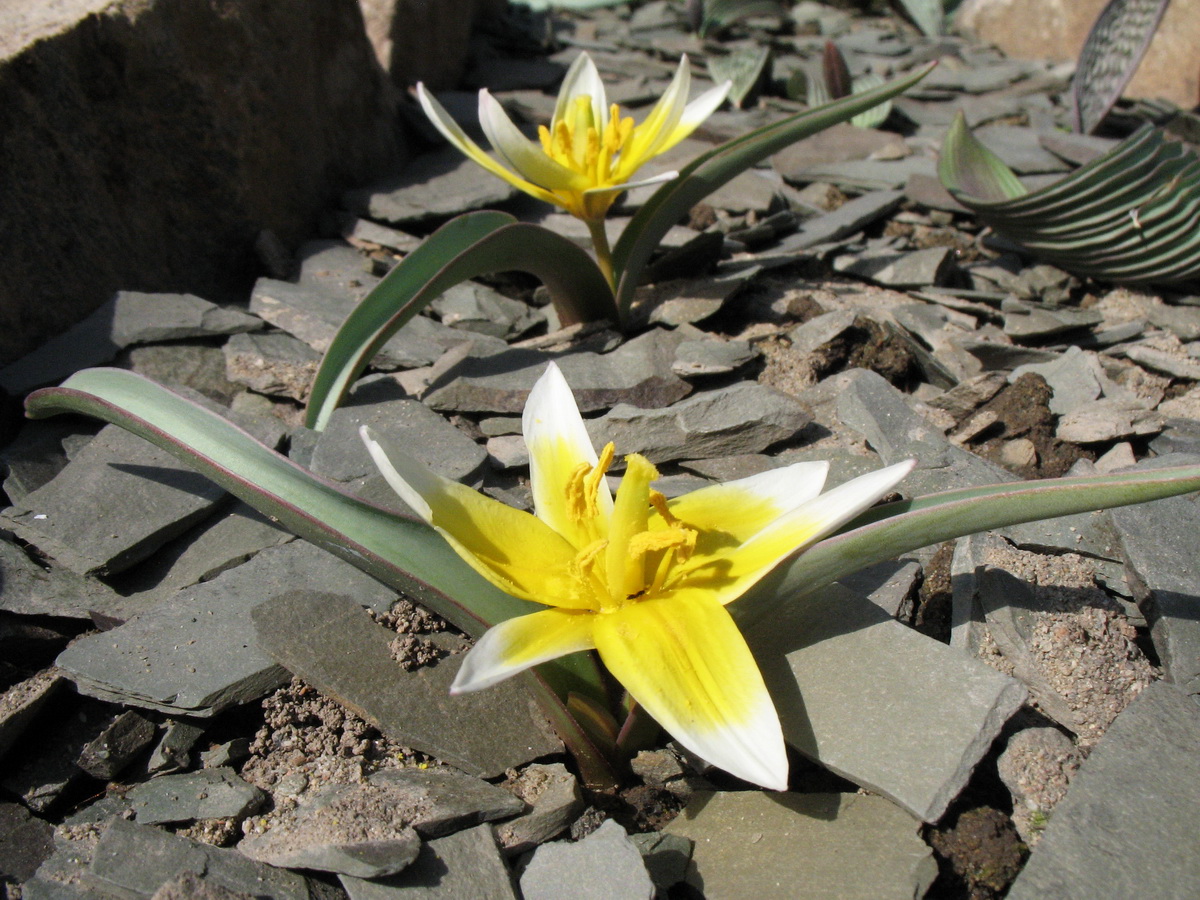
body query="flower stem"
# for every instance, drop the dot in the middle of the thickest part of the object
(603, 251)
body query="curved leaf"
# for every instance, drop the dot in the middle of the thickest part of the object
(1116, 44)
(895, 528)
(398, 550)
(710, 170)
(473, 244)
(1131, 215)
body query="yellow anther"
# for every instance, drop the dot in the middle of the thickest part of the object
(583, 486)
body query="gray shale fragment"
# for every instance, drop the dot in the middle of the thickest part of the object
(556, 799)
(906, 716)
(335, 647)
(466, 864)
(605, 865)
(196, 654)
(206, 794)
(742, 418)
(1139, 788)
(75, 520)
(116, 746)
(818, 846)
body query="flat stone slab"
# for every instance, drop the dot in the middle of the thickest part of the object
(1128, 825)
(29, 589)
(1164, 571)
(129, 318)
(206, 794)
(605, 865)
(197, 654)
(816, 846)
(460, 865)
(879, 703)
(330, 643)
(75, 520)
(743, 418)
(637, 373)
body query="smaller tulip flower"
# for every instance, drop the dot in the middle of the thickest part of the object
(589, 153)
(642, 580)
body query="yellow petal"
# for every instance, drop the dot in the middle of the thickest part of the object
(518, 643)
(658, 126)
(729, 573)
(631, 514)
(694, 114)
(512, 549)
(582, 80)
(452, 132)
(729, 514)
(558, 445)
(528, 158)
(689, 666)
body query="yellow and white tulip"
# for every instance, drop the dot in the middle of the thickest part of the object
(640, 579)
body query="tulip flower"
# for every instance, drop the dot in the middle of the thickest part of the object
(640, 579)
(589, 153)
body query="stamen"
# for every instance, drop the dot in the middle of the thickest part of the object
(583, 486)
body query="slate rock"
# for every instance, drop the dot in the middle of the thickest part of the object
(686, 300)
(915, 268)
(205, 794)
(196, 655)
(25, 843)
(1168, 363)
(275, 363)
(341, 455)
(1101, 421)
(1024, 321)
(351, 829)
(849, 218)
(1158, 540)
(666, 857)
(637, 373)
(74, 518)
(748, 844)
(701, 358)
(838, 142)
(330, 643)
(116, 746)
(1021, 149)
(129, 318)
(554, 794)
(605, 865)
(904, 716)
(194, 886)
(433, 186)
(1139, 788)
(174, 751)
(480, 309)
(743, 418)
(134, 860)
(19, 705)
(1037, 766)
(460, 865)
(29, 589)
(1076, 378)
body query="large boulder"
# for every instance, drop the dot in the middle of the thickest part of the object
(1056, 30)
(145, 144)
(424, 40)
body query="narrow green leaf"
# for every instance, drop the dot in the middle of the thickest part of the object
(398, 550)
(1115, 45)
(745, 69)
(968, 167)
(895, 528)
(720, 165)
(473, 244)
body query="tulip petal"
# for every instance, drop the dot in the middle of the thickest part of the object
(628, 185)
(732, 573)
(695, 113)
(730, 513)
(518, 643)
(453, 133)
(521, 153)
(689, 666)
(558, 444)
(582, 80)
(512, 549)
(658, 125)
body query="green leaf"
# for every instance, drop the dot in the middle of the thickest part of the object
(745, 69)
(711, 170)
(398, 550)
(1116, 44)
(720, 13)
(968, 167)
(473, 244)
(876, 115)
(1130, 216)
(895, 528)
